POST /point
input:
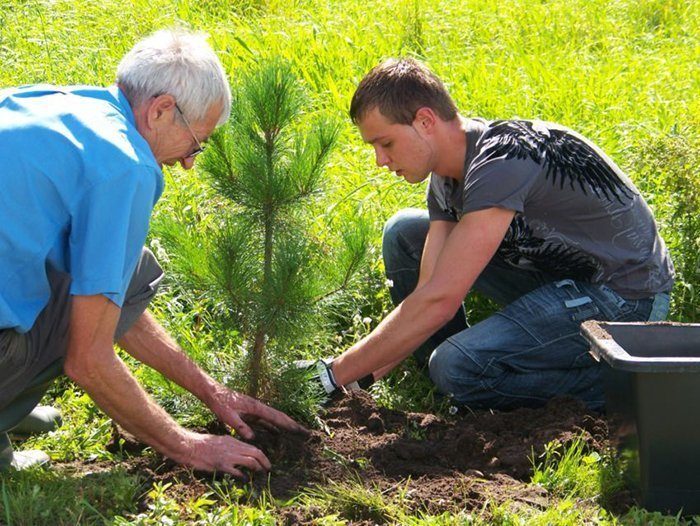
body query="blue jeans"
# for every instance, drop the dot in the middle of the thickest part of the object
(528, 352)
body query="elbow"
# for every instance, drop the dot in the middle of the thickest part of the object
(445, 310)
(77, 370)
(440, 308)
(83, 368)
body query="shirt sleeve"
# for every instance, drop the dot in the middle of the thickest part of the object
(108, 230)
(494, 181)
(438, 208)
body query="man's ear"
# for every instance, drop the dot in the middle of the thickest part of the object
(160, 109)
(425, 120)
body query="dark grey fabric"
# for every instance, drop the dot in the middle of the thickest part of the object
(23, 404)
(577, 215)
(24, 356)
(142, 287)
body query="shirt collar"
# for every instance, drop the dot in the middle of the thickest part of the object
(123, 103)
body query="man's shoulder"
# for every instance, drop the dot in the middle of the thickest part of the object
(51, 99)
(88, 131)
(65, 108)
(520, 142)
(527, 137)
(112, 129)
(509, 144)
(102, 120)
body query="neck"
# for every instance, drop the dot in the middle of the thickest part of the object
(140, 112)
(452, 149)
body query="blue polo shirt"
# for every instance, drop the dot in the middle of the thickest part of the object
(77, 187)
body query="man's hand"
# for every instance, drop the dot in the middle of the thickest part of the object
(222, 453)
(464, 253)
(233, 409)
(148, 342)
(92, 363)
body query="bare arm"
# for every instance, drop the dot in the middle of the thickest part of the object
(438, 233)
(465, 253)
(434, 242)
(92, 363)
(149, 343)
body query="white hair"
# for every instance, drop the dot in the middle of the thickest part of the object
(181, 64)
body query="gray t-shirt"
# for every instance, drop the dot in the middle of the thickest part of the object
(577, 215)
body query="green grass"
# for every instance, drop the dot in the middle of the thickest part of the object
(575, 472)
(623, 72)
(350, 501)
(85, 431)
(53, 498)
(217, 508)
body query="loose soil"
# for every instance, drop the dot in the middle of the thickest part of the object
(433, 464)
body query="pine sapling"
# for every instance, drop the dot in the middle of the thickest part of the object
(266, 166)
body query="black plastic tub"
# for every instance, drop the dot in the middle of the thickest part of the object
(652, 386)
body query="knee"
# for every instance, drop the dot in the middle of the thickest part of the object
(145, 279)
(400, 223)
(142, 287)
(404, 235)
(443, 367)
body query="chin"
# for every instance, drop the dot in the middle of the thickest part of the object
(415, 178)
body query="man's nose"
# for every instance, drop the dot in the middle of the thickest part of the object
(187, 162)
(381, 158)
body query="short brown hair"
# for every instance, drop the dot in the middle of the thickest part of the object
(399, 88)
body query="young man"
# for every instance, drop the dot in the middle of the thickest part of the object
(528, 213)
(81, 174)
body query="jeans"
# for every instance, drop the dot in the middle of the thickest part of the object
(528, 352)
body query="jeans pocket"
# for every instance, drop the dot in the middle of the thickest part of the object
(614, 306)
(580, 306)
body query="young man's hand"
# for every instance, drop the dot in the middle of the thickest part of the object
(323, 374)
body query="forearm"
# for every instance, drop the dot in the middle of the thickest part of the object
(434, 242)
(113, 388)
(92, 363)
(383, 371)
(148, 342)
(395, 338)
(459, 252)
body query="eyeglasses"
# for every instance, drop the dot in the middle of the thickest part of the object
(200, 147)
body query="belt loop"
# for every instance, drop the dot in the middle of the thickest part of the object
(660, 306)
(560, 284)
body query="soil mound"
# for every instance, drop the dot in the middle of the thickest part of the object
(440, 464)
(435, 464)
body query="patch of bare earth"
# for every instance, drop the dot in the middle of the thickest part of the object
(437, 465)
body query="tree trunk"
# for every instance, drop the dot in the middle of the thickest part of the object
(256, 372)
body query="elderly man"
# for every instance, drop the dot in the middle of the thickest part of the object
(81, 175)
(529, 213)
